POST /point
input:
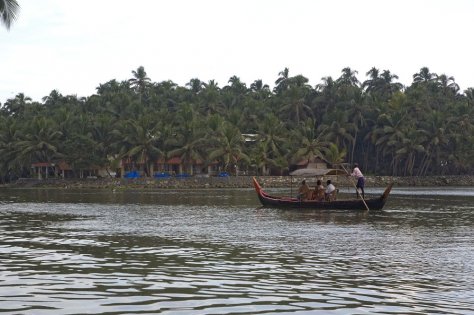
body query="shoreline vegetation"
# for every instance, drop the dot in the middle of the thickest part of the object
(424, 129)
(232, 182)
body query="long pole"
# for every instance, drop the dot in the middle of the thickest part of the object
(291, 186)
(353, 184)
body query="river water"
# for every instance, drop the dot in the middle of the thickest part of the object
(219, 252)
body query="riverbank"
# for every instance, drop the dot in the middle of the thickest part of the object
(232, 182)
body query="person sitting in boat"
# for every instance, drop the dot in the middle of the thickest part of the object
(303, 191)
(360, 180)
(330, 193)
(319, 191)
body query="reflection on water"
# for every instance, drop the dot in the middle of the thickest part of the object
(219, 252)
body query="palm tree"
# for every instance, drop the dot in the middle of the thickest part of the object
(436, 128)
(310, 143)
(210, 102)
(189, 141)
(327, 98)
(79, 147)
(388, 133)
(17, 106)
(273, 139)
(448, 85)
(348, 77)
(424, 76)
(294, 100)
(281, 83)
(228, 147)
(8, 12)
(469, 93)
(140, 82)
(139, 141)
(382, 84)
(9, 159)
(390, 87)
(102, 133)
(54, 100)
(372, 83)
(39, 142)
(334, 155)
(195, 85)
(338, 129)
(164, 95)
(237, 86)
(260, 91)
(408, 148)
(233, 95)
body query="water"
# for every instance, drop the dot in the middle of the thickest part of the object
(218, 252)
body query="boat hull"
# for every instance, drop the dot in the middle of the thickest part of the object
(293, 203)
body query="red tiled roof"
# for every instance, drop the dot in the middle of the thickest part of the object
(174, 160)
(64, 166)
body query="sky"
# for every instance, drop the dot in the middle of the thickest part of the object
(74, 46)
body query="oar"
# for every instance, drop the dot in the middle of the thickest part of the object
(353, 184)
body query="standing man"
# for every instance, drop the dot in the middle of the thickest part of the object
(360, 180)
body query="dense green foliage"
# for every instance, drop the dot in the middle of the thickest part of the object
(8, 12)
(426, 128)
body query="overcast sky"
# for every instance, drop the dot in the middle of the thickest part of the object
(73, 46)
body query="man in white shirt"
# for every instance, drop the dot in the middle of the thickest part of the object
(330, 190)
(360, 180)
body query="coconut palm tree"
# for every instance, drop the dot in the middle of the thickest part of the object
(139, 140)
(348, 77)
(210, 101)
(281, 84)
(338, 129)
(295, 107)
(140, 82)
(436, 128)
(381, 84)
(9, 160)
(326, 98)
(387, 134)
(39, 142)
(372, 83)
(310, 142)
(469, 93)
(334, 155)
(195, 85)
(8, 12)
(228, 147)
(424, 76)
(390, 86)
(259, 90)
(190, 139)
(102, 133)
(236, 85)
(408, 148)
(272, 142)
(448, 85)
(17, 106)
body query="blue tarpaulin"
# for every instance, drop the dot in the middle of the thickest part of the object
(132, 174)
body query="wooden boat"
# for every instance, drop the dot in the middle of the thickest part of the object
(350, 204)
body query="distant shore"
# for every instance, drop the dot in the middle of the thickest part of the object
(233, 182)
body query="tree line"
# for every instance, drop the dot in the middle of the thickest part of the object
(426, 128)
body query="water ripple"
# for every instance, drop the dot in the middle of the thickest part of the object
(92, 258)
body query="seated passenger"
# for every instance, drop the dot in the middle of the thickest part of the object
(303, 191)
(318, 193)
(330, 193)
